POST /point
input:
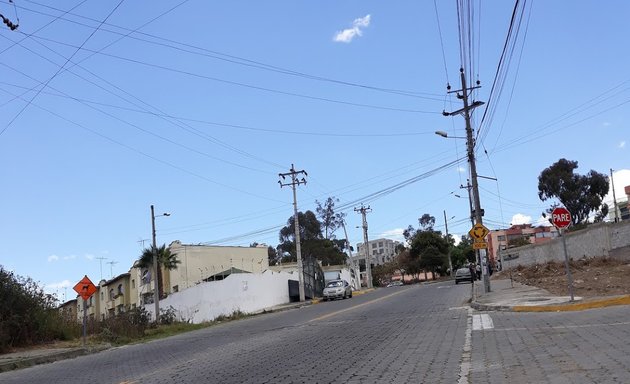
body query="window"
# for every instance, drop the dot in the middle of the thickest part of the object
(176, 287)
(111, 294)
(146, 276)
(102, 296)
(501, 238)
(380, 244)
(133, 283)
(120, 289)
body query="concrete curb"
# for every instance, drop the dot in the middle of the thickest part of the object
(566, 307)
(591, 304)
(20, 362)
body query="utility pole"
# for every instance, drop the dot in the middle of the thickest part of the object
(450, 262)
(353, 262)
(470, 145)
(368, 258)
(298, 250)
(612, 182)
(472, 216)
(156, 294)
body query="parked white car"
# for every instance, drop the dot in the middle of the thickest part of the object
(337, 289)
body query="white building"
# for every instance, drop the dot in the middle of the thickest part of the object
(381, 251)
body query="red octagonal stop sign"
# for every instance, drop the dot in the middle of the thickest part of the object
(561, 217)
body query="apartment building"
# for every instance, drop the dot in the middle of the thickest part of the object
(198, 263)
(380, 250)
(68, 310)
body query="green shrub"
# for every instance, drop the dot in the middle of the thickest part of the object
(27, 314)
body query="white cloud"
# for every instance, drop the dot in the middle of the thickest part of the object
(542, 221)
(394, 234)
(52, 258)
(622, 144)
(89, 256)
(348, 34)
(521, 219)
(71, 257)
(461, 169)
(606, 124)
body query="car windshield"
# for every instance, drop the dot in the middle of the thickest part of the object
(334, 284)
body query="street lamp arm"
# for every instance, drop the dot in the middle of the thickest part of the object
(445, 135)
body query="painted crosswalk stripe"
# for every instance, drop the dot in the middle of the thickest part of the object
(483, 321)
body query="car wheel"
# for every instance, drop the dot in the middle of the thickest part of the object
(351, 295)
(456, 282)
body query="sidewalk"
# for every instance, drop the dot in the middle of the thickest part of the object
(515, 297)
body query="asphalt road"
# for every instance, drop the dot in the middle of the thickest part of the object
(410, 334)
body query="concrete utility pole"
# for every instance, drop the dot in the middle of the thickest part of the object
(368, 258)
(353, 262)
(470, 144)
(612, 182)
(450, 262)
(298, 250)
(472, 216)
(156, 294)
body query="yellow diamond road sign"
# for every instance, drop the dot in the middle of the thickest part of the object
(478, 232)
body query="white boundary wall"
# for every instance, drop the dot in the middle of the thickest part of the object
(597, 240)
(245, 292)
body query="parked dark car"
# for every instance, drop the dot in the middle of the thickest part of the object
(462, 274)
(337, 289)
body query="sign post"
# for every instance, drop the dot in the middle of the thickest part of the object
(85, 288)
(561, 219)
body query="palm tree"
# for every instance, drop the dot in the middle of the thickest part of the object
(165, 259)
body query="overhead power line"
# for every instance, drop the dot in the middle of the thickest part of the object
(198, 50)
(60, 68)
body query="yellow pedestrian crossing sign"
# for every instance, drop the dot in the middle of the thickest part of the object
(478, 232)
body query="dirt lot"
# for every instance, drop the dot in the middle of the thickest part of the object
(591, 278)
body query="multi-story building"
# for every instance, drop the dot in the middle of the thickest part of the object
(68, 310)
(499, 239)
(198, 263)
(117, 295)
(621, 209)
(92, 307)
(381, 251)
(206, 263)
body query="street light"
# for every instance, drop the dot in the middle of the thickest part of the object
(444, 134)
(156, 295)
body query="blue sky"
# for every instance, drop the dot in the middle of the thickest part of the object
(196, 107)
